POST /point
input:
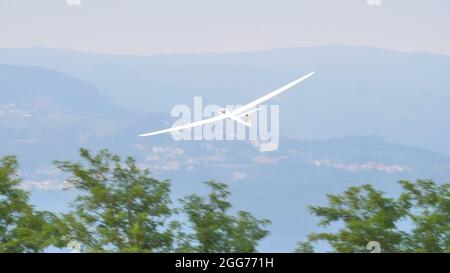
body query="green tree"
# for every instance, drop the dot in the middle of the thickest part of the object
(22, 228)
(304, 247)
(428, 207)
(365, 215)
(212, 229)
(121, 208)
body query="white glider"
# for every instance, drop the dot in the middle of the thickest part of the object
(235, 114)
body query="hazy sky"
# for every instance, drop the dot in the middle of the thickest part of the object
(175, 26)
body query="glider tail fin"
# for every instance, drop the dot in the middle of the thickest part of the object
(247, 118)
(238, 119)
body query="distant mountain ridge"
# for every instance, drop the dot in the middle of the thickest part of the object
(402, 97)
(28, 85)
(44, 114)
(277, 185)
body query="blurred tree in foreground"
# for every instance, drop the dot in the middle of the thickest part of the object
(22, 228)
(121, 208)
(428, 207)
(368, 215)
(213, 229)
(304, 247)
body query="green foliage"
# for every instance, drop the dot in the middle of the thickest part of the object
(367, 215)
(121, 208)
(213, 229)
(428, 207)
(22, 228)
(304, 247)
